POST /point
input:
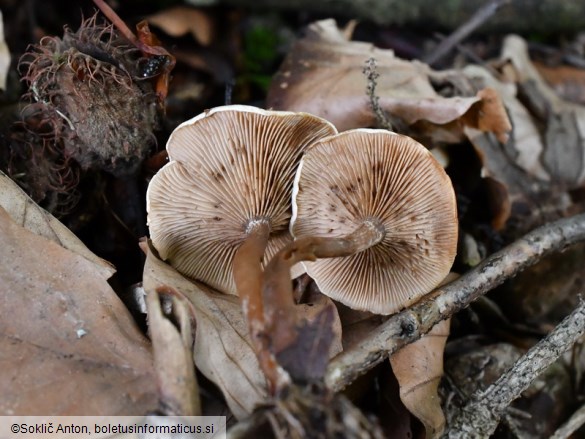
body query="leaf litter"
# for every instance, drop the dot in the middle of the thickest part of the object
(529, 145)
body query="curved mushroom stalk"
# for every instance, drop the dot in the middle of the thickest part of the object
(248, 276)
(267, 297)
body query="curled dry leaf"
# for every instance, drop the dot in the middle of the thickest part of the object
(319, 339)
(526, 145)
(418, 367)
(489, 115)
(323, 75)
(29, 215)
(563, 122)
(181, 20)
(68, 345)
(173, 354)
(222, 350)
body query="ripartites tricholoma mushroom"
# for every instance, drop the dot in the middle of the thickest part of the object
(228, 182)
(395, 200)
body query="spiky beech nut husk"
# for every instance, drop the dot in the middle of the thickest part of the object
(96, 81)
(33, 157)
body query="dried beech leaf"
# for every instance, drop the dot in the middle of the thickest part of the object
(526, 142)
(418, 367)
(564, 154)
(222, 350)
(181, 20)
(68, 345)
(173, 355)
(323, 75)
(29, 215)
(489, 115)
(319, 339)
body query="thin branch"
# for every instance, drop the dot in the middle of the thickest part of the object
(408, 325)
(575, 422)
(476, 20)
(480, 417)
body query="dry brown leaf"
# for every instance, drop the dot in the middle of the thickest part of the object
(68, 345)
(319, 338)
(222, 350)
(181, 20)
(564, 122)
(29, 215)
(323, 75)
(418, 367)
(489, 115)
(173, 354)
(567, 81)
(526, 142)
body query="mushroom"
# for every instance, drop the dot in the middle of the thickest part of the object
(228, 182)
(394, 207)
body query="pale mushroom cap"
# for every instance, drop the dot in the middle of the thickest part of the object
(375, 174)
(229, 167)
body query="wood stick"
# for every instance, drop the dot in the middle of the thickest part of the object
(410, 324)
(480, 417)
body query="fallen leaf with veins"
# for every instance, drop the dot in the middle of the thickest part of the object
(323, 75)
(68, 345)
(418, 368)
(24, 211)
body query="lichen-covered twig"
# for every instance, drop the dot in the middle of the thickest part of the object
(483, 14)
(480, 417)
(410, 324)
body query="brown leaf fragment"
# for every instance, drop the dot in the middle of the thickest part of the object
(25, 212)
(564, 155)
(173, 354)
(306, 360)
(525, 145)
(323, 75)
(568, 82)
(181, 20)
(222, 350)
(418, 367)
(489, 115)
(68, 346)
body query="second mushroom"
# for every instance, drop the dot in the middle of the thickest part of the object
(387, 198)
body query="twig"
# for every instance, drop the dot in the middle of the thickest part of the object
(372, 82)
(576, 421)
(410, 324)
(480, 417)
(463, 31)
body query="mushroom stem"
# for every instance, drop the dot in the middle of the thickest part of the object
(248, 277)
(277, 287)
